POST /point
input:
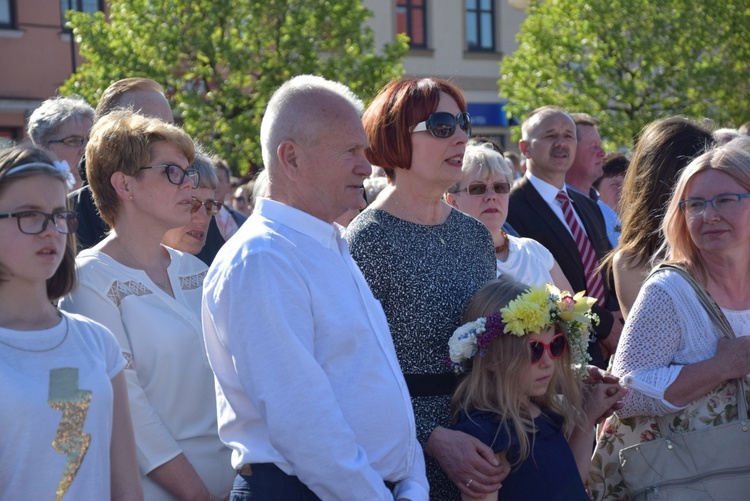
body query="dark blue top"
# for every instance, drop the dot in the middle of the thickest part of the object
(550, 471)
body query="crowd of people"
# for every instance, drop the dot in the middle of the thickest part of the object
(472, 324)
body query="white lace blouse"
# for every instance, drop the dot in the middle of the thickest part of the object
(667, 329)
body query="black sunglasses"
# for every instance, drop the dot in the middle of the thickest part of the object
(442, 124)
(556, 348)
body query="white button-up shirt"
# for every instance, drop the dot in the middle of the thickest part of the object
(307, 375)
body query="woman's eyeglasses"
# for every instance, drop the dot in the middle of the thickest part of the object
(481, 189)
(177, 174)
(723, 203)
(442, 124)
(212, 206)
(555, 348)
(33, 222)
(72, 141)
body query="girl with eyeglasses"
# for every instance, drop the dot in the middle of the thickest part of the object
(149, 295)
(524, 352)
(483, 193)
(66, 426)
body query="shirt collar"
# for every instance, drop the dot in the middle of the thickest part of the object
(547, 191)
(300, 221)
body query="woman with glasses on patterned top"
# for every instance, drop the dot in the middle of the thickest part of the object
(149, 295)
(482, 193)
(61, 125)
(677, 362)
(424, 261)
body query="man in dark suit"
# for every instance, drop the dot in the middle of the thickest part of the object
(537, 211)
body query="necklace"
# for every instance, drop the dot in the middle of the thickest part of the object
(65, 336)
(501, 248)
(165, 286)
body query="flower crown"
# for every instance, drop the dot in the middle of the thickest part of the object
(531, 312)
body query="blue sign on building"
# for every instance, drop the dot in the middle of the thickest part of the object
(488, 114)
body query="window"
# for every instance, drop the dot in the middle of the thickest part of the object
(480, 25)
(88, 6)
(6, 15)
(411, 18)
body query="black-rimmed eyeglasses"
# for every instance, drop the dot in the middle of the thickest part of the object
(442, 124)
(176, 174)
(722, 203)
(33, 222)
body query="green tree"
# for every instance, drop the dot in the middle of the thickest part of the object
(629, 62)
(220, 61)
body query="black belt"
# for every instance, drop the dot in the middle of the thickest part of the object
(246, 470)
(431, 385)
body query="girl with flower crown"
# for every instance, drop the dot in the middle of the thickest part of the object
(525, 350)
(66, 425)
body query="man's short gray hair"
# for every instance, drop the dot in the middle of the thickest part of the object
(294, 110)
(54, 112)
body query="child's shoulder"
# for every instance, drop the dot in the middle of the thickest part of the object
(488, 427)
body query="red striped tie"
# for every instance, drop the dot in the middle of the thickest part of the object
(585, 249)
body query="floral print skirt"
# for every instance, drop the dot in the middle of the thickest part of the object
(605, 482)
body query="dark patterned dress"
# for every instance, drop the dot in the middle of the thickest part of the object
(424, 276)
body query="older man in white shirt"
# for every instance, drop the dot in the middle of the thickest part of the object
(310, 395)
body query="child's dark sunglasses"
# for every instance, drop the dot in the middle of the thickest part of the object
(556, 348)
(442, 124)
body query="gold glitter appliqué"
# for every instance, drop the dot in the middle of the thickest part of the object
(65, 396)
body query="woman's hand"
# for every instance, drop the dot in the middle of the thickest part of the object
(600, 399)
(596, 375)
(469, 463)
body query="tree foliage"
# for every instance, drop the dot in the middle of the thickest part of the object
(629, 62)
(220, 61)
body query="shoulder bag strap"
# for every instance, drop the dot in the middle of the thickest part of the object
(719, 320)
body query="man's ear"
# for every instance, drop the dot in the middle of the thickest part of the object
(523, 145)
(288, 155)
(121, 182)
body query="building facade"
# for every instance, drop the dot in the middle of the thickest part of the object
(459, 40)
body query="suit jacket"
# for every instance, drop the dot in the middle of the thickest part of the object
(214, 241)
(91, 228)
(531, 217)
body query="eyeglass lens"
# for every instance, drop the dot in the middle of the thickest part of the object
(556, 348)
(35, 222)
(479, 189)
(72, 141)
(177, 174)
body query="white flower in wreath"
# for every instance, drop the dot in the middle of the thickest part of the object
(463, 343)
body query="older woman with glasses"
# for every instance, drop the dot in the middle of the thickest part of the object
(149, 296)
(678, 363)
(424, 261)
(482, 193)
(191, 237)
(61, 125)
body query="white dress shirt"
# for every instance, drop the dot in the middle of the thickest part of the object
(548, 192)
(307, 375)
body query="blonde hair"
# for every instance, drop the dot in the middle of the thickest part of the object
(732, 159)
(123, 141)
(494, 382)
